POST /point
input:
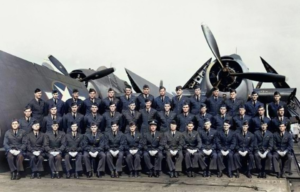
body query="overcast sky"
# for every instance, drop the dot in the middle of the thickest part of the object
(157, 39)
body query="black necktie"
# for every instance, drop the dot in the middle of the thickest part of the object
(152, 135)
(216, 98)
(197, 97)
(162, 99)
(207, 133)
(127, 98)
(15, 133)
(94, 117)
(55, 134)
(74, 116)
(114, 134)
(223, 117)
(261, 119)
(173, 134)
(167, 114)
(244, 134)
(232, 100)
(178, 98)
(281, 134)
(27, 120)
(74, 135)
(94, 136)
(190, 134)
(242, 118)
(226, 133)
(53, 118)
(132, 113)
(185, 115)
(263, 133)
(36, 135)
(147, 110)
(55, 101)
(254, 104)
(39, 102)
(112, 115)
(132, 134)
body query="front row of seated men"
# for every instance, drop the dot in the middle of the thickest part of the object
(209, 149)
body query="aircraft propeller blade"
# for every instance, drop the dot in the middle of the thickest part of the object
(263, 77)
(212, 43)
(59, 66)
(98, 74)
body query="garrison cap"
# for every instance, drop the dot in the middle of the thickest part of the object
(152, 122)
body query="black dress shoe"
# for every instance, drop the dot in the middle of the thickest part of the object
(220, 174)
(112, 174)
(264, 175)
(17, 176)
(249, 174)
(57, 175)
(131, 174)
(136, 174)
(171, 174)
(150, 173)
(193, 174)
(76, 175)
(32, 176)
(229, 174)
(13, 176)
(117, 174)
(259, 175)
(38, 175)
(176, 174)
(68, 175)
(52, 175)
(237, 174)
(99, 174)
(208, 174)
(204, 174)
(189, 173)
(89, 174)
(157, 174)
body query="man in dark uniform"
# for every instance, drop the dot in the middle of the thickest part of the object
(74, 147)
(26, 121)
(165, 117)
(179, 100)
(126, 99)
(152, 144)
(87, 103)
(147, 114)
(252, 105)
(245, 142)
(74, 99)
(93, 117)
(275, 122)
(240, 118)
(273, 106)
(49, 119)
(283, 151)
(141, 99)
(73, 116)
(196, 100)
(226, 143)
(94, 144)
(192, 146)
(208, 137)
(55, 100)
(161, 100)
(131, 115)
(115, 145)
(263, 149)
(35, 149)
(213, 103)
(255, 123)
(112, 116)
(219, 119)
(55, 143)
(15, 145)
(110, 98)
(133, 150)
(185, 117)
(38, 106)
(201, 116)
(233, 103)
(173, 143)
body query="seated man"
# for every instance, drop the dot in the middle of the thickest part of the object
(15, 145)
(133, 150)
(283, 149)
(173, 143)
(94, 143)
(115, 145)
(263, 149)
(152, 144)
(255, 122)
(35, 150)
(208, 150)
(192, 146)
(74, 144)
(244, 145)
(55, 143)
(226, 143)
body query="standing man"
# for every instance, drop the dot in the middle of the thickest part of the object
(184, 118)
(192, 146)
(173, 143)
(141, 99)
(147, 114)
(273, 106)
(161, 100)
(38, 106)
(15, 146)
(110, 98)
(55, 143)
(245, 142)
(240, 118)
(165, 117)
(133, 150)
(226, 144)
(213, 103)
(255, 123)
(115, 145)
(179, 100)
(283, 150)
(49, 119)
(252, 105)
(35, 150)
(196, 100)
(94, 144)
(219, 119)
(74, 147)
(131, 115)
(233, 103)
(26, 121)
(199, 118)
(55, 100)
(263, 149)
(74, 99)
(93, 117)
(112, 116)
(153, 146)
(276, 121)
(73, 116)
(127, 98)
(87, 103)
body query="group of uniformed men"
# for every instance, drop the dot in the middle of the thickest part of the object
(208, 133)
